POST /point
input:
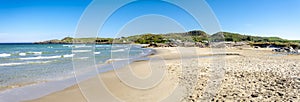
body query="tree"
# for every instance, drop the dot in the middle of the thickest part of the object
(228, 39)
(199, 38)
(150, 38)
(249, 38)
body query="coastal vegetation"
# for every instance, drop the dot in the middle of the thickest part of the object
(191, 36)
(150, 38)
(260, 41)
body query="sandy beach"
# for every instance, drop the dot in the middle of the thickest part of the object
(192, 75)
(149, 51)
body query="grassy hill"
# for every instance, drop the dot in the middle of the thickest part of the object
(191, 36)
(259, 41)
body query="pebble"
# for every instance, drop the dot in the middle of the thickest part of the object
(254, 77)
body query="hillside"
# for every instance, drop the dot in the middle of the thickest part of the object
(258, 41)
(191, 36)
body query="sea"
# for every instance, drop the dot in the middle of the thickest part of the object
(31, 67)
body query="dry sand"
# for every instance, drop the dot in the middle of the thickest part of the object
(231, 75)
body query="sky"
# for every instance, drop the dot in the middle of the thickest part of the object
(39, 20)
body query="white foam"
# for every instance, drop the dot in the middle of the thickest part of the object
(69, 55)
(5, 55)
(22, 54)
(48, 57)
(11, 64)
(97, 53)
(80, 58)
(38, 62)
(40, 57)
(102, 45)
(119, 50)
(36, 53)
(23, 63)
(76, 46)
(115, 59)
(81, 46)
(81, 51)
(67, 45)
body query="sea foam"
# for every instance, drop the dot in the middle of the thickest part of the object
(24, 63)
(5, 55)
(97, 53)
(36, 53)
(40, 57)
(69, 55)
(76, 51)
(22, 54)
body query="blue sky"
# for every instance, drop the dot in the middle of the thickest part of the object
(38, 20)
(35, 20)
(259, 17)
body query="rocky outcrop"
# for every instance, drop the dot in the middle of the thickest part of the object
(289, 50)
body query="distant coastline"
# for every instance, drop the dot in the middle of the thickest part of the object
(196, 37)
(17, 43)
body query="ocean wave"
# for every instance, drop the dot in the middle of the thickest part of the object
(5, 55)
(97, 53)
(69, 55)
(39, 62)
(76, 51)
(115, 59)
(10, 64)
(81, 58)
(36, 53)
(102, 45)
(22, 54)
(81, 46)
(76, 46)
(67, 45)
(24, 63)
(47, 57)
(40, 57)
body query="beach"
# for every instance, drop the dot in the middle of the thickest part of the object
(149, 51)
(193, 74)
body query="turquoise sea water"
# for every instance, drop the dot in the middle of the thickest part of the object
(26, 64)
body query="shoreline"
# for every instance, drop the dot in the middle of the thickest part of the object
(239, 62)
(166, 53)
(78, 95)
(9, 94)
(247, 77)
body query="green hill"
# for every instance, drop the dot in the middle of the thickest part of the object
(191, 36)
